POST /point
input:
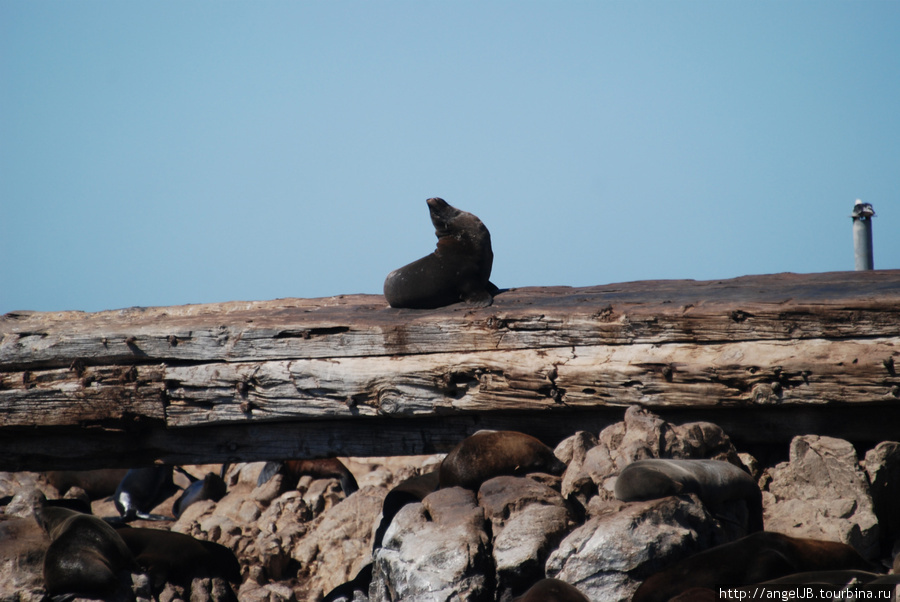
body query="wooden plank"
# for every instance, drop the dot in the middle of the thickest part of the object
(782, 307)
(813, 371)
(143, 444)
(144, 377)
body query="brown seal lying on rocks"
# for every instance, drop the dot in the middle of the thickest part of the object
(758, 557)
(714, 481)
(179, 558)
(489, 454)
(552, 590)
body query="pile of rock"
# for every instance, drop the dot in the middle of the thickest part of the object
(494, 542)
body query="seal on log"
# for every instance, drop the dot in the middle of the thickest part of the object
(714, 481)
(489, 454)
(552, 590)
(758, 557)
(85, 554)
(459, 269)
(176, 557)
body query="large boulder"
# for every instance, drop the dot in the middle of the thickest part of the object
(883, 469)
(528, 520)
(608, 556)
(339, 542)
(22, 547)
(436, 550)
(822, 493)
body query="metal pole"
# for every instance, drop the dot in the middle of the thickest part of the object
(862, 235)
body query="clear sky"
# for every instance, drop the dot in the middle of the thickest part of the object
(174, 152)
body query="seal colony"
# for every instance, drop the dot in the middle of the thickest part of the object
(459, 269)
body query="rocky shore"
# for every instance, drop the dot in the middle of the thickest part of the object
(299, 543)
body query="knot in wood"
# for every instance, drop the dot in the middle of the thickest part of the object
(764, 393)
(739, 315)
(495, 323)
(667, 373)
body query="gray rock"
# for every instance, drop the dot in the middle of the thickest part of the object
(608, 556)
(528, 520)
(22, 547)
(822, 493)
(883, 468)
(339, 541)
(435, 551)
(576, 480)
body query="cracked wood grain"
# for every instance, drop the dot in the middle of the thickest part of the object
(761, 343)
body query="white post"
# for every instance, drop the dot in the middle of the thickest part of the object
(862, 235)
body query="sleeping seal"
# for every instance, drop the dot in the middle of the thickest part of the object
(714, 481)
(756, 558)
(489, 454)
(552, 590)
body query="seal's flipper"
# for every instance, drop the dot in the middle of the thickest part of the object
(153, 517)
(269, 470)
(189, 476)
(479, 299)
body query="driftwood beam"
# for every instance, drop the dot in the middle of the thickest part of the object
(350, 376)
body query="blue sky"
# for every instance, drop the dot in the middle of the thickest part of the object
(165, 153)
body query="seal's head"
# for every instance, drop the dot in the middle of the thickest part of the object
(442, 216)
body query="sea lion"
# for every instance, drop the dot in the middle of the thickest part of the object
(179, 558)
(835, 577)
(141, 490)
(552, 590)
(321, 468)
(758, 557)
(408, 491)
(85, 555)
(714, 481)
(211, 487)
(98, 484)
(489, 454)
(459, 269)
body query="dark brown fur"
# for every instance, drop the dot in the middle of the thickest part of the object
(179, 558)
(489, 454)
(459, 269)
(715, 482)
(758, 557)
(85, 555)
(321, 468)
(552, 590)
(96, 483)
(409, 491)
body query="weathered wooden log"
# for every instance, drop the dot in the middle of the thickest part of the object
(206, 383)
